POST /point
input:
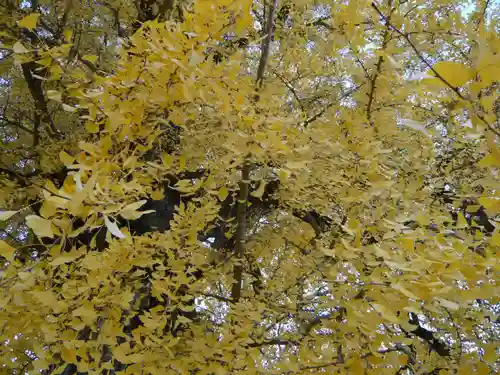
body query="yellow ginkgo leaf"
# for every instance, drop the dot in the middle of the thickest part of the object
(455, 74)
(46, 298)
(157, 195)
(490, 160)
(54, 95)
(91, 58)
(69, 108)
(495, 239)
(130, 212)
(260, 190)
(68, 355)
(6, 250)
(19, 48)
(223, 193)
(386, 313)
(68, 35)
(113, 228)
(448, 304)
(29, 21)
(6, 215)
(65, 158)
(41, 227)
(489, 73)
(462, 222)
(400, 287)
(492, 204)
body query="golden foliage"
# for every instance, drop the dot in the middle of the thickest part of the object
(306, 236)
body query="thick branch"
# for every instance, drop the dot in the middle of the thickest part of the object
(266, 42)
(241, 213)
(240, 236)
(35, 87)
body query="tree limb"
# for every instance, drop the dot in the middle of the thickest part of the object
(240, 236)
(266, 42)
(291, 88)
(456, 90)
(434, 344)
(35, 87)
(378, 67)
(418, 53)
(327, 106)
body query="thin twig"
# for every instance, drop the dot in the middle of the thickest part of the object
(418, 53)
(429, 65)
(378, 67)
(327, 106)
(217, 297)
(360, 63)
(23, 180)
(291, 88)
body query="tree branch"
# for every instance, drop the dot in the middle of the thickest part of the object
(378, 67)
(418, 53)
(327, 106)
(241, 211)
(240, 236)
(23, 181)
(266, 42)
(429, 65)
(15, 124)
(36, 91)
(291, 88)
(434, 344)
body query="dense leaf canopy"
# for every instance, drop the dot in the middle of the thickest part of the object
(249, 187)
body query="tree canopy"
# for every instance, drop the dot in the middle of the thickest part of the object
(249, 187)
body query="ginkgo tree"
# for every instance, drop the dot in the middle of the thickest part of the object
(249, 187)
